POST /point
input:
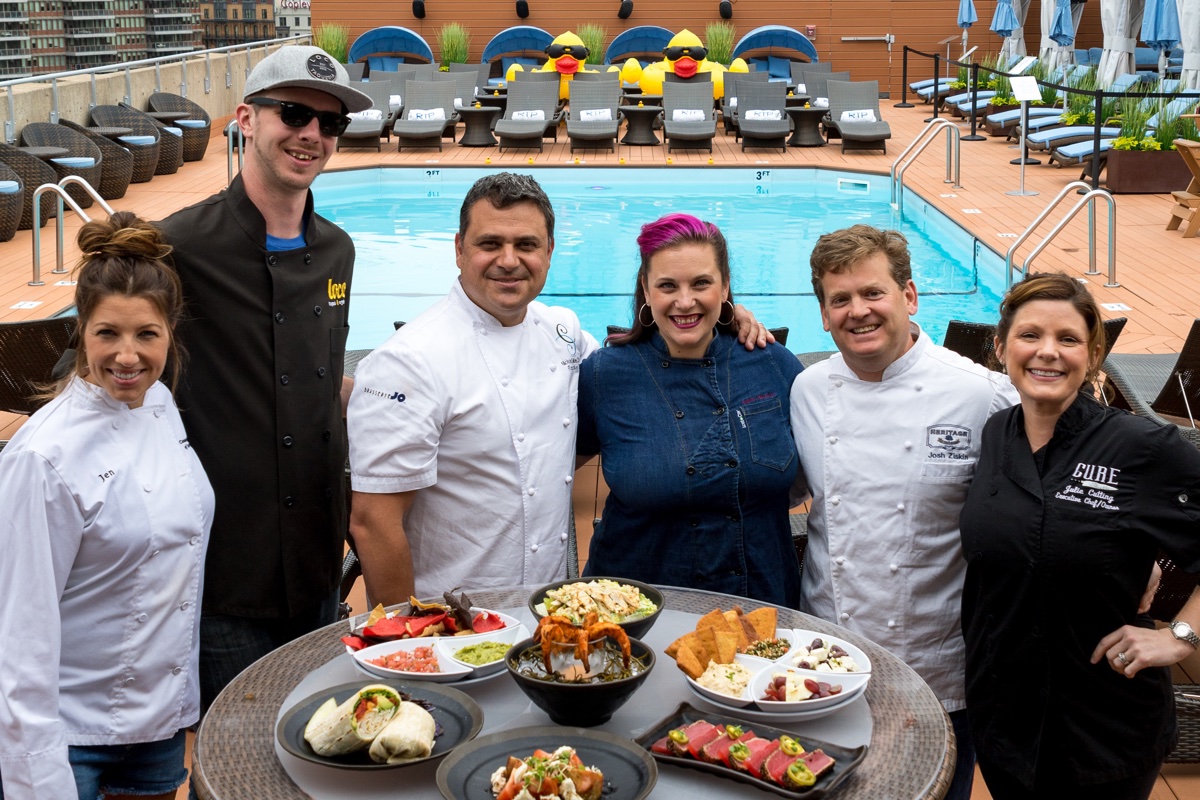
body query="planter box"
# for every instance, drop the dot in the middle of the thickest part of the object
(1146, 172)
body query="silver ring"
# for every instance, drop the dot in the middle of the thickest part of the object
(1121, 657)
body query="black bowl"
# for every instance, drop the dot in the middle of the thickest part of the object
(581, 705)
(636, 629)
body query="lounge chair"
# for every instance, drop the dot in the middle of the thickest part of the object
(355, 71)
(118, 162)
(28, 352)
(1047, 121)
(798, 69)
(428, 106)
(368, 127)
(170, 138)
(592, 118)
(1187, 202)
(197, 127)
(83, 159)
(854, 116)
(147, 137)
(1080, 152)
(762, 115)
(729, 102)
(12, 198)
(598, 77)
(32, 172)
(976, 340)
(1172, 379)
(817, 86)
(689, 118)
(531, 115)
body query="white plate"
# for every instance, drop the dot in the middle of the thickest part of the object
(749, 662)
(774, 718)
(852, 683)
(444, 647)
(804, 637)
(466, 638)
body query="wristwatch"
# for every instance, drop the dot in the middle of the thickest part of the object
(1184, 633)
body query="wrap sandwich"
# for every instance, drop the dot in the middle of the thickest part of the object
(336, 730)
(409, 735)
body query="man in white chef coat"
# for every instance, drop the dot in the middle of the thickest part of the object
(888, 432)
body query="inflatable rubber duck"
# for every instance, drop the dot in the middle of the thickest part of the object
(686, 56)
(567, 56)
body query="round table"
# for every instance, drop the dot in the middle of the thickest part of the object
(46, 153)
(478, 122)
(499, 101)
(911, 751)
(807, 126)
(641, 124)
(111, 132)
(167, 117)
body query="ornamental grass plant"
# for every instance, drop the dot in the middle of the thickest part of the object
(594, 37)
(719, 38)
(454, 44)
(333, 38)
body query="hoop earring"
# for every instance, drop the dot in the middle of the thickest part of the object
(732, 314)
(642, 322)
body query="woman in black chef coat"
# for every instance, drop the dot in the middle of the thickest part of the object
(1068, 688)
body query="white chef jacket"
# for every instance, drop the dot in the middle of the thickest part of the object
(105, 523)
(481, 418)
(888, 464)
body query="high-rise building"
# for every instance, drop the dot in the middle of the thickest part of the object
(227, 22)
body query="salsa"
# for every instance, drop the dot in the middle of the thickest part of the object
(482, 653)
(421, 659)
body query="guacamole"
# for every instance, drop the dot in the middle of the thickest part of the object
(482, 653)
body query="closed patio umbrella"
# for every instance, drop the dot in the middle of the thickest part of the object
(966, 18)
(1121, 19)
(1007, 21)
(1058, 33)
(1189, 37)
(1160, 29)
(1004, 21)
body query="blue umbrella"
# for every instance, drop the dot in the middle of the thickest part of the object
(966, 14)
(1160, 24)
(1005, 21)
(1062, 29)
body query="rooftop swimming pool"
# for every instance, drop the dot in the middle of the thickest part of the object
(403, 222)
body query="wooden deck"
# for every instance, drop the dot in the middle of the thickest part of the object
(1156, 268)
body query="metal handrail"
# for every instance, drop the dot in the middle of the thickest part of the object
(60, 190)
(1089, 200)
(231, 130)
(916, 147)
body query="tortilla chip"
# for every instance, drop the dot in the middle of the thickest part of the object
(764, 621)
(707, 648)
(713, 619)
(733, 620)
(727, 644)
(751, 634)
(689, 662)
(377, 613)
(673, 647)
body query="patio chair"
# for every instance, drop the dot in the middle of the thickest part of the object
(428, 107)
(28, 352)
(599, 77)
(32, 173)
(762, 115)
(531, 115)
(12, 199)
(118, 162)
(1080, 152)
(197, 127)
(729, 103)
(976, 340)
(798, 68)
(1187, 202)
(368, 127)
(592, 118)
(170, 137)
(1172, 379)
(83, 158)
(816, 86)
(854, 116)
(689, 119)
(355, 70)
(151, 154)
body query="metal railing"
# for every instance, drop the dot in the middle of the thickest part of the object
(1089, 200)
(916, 147)
(60, 190)
(232, 130)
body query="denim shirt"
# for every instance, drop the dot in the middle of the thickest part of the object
(699, 459)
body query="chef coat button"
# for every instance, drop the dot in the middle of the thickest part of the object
(148, 488)
(531, 491)
(568, 478)
(156, 552)
(833, 501)
(176, 670)
(116, 425)
(537, 321)
(287, 441)
(899, 506)
(918, 387)
(731, 462)
(320, 372)
(893, 567)
(271, 260)
(678, 415)
(317, 310)
(708, 362)
(289, 501)
(695, 523)
(326, 435)
(328, 492)
(504, 381)
(533, 548)
(908, 445)
(691, 470)
(563, 536)
(1035, 632)
(833, 440)
(284, 380)
(840, 559)
(838, 384)
(553, 367)
(129, 681)
(992, 489)
(566, 422)
(307, 258)
(891, 623)
(193, 541)
(184, 606)
(844, 616)
(143, 617)
(1183, 498)
(720, 410)
(157, 414)
(520, 437)
(666, 364)
(279, 317)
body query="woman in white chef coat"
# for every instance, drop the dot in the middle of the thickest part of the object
(106, 513)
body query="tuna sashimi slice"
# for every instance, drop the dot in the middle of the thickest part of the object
(699, 734)
(717, 751)
(818, 762)
(759, 755)
(663, 746)
(775, 767)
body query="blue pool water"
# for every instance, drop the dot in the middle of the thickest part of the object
(403, 222)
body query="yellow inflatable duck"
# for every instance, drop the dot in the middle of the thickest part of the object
(566, 55)
(686, 56)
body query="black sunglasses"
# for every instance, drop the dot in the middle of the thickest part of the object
(298, 115)
(676, 53)
(577, 51)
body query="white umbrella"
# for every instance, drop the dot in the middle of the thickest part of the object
(1122, 21)
(1189, 35)
(1014, 45)
(1052, 54)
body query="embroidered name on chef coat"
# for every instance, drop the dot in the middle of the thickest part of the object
(1092, 485)
(948, 441)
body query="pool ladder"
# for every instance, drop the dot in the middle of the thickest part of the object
(1088, 199)
(60, 190)
(232, 130)
(917, 146)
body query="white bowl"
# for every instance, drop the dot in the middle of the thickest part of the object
(852, 684)
(447, 646)
(451, 670)
(804, 638)
(750, 663)
(780, 633)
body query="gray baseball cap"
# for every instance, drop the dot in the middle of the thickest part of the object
(307, 68)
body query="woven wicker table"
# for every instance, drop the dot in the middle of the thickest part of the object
(911, 754)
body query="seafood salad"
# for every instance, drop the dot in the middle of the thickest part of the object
(611, 601)
(560, 775)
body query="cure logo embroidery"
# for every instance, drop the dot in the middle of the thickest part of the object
(337, 293)
(948, 441)
(1092, 485)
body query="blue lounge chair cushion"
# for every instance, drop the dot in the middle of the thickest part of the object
(141, 140)
(190, 123)
(965, 96)
(175, 131)
(1081, 150)
(75, 161)
(1015, 114)
(918, 85)
(1069, 132)
(779, 67)
(9, 187)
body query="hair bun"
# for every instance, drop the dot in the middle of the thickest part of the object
(123, 235)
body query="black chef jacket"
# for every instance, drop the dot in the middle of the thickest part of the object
(1057, 561)
(265, 334)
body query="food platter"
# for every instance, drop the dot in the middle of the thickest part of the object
(465, 638)
(846, 759)
(637, 627)
(459, 717)
(774, 717)
(630, 772)
(444, 648)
